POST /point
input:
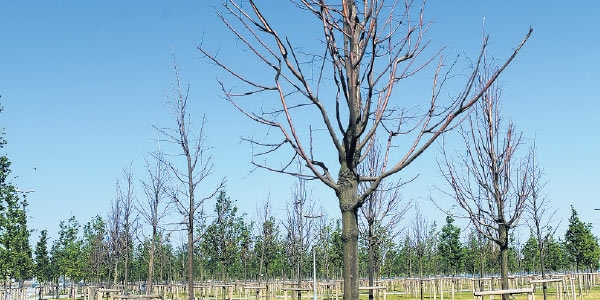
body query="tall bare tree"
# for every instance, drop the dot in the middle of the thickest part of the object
(156, 205)
(122, 224)
(347, 92)
(127, 199)
(197, 167)
(489, 181)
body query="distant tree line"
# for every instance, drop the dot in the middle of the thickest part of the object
(233, 248)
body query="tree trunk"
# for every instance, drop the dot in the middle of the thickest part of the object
(503, 237)
(149, 284)
(190, 258)
(350, 248)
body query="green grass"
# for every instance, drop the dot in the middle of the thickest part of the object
(593, 294)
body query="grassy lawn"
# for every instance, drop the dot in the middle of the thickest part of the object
(593, 294)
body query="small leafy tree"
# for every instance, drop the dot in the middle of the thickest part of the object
(450, 248)
(15, 251)
(531, 254)
(95, 249)
(42, 270)
(66, 252)
(581, 244)
(222, 241)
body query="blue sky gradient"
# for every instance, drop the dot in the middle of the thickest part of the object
(83, 82)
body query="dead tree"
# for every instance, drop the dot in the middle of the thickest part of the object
(156, 205)
(489, 181)
(381, 213)
(197, 167)
(346, 90)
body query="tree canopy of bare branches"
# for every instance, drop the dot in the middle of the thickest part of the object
(347, 91)
(198, 167)
(156, 205)
(489, 181)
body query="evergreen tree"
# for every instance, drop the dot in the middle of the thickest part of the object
(42, 270)
(531, 255)
(581, 244)
(556, 255)
(450, 249)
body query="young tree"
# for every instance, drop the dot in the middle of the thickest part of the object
(197, 168)
(156, 206)
(531, 254)
(298, 228)
(581, 244)
(450, 248)
(126, 197)
(42, 270)
(96, 250)
(540, 217)
(222, 242)
(15, 251)
(368, 47)
(380, 214)
(66, 252)
(490, 183)
(423, 235)
(268, 243)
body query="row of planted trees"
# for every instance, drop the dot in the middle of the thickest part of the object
(231, 248)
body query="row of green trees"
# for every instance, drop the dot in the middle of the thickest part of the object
(232, 248)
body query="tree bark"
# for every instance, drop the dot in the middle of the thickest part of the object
(503, 237)
(350, 247)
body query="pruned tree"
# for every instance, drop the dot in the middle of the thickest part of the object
(197, 167)
(489, 181)
(346, 90)
(381, 213)
(156, 206)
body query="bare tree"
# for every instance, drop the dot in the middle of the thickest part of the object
(423, 237)
(490, 183)
(368, 47)
(540, 215)
(381, 213)
(156, 205)
(298, 227)
(197, 168)
(129, 222)
(122, 224)
(114, 236)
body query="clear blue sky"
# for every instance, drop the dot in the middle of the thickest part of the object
(82, 83)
